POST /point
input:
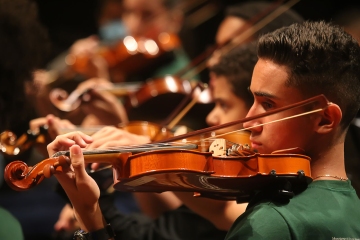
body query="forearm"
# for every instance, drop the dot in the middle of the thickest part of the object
(154, 204)
(177, 224)
(89, 219)
(221, 213)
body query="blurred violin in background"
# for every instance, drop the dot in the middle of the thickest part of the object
(69, 102)
(127, 56)
(12, 146)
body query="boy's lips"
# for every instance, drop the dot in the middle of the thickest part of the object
(255, 144)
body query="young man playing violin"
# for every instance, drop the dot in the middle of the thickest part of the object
(299, 61)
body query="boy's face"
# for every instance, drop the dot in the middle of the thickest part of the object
(269, 88)
(229, 28)
(228, 106)
(146, 18)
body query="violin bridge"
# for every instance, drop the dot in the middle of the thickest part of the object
(218, 147)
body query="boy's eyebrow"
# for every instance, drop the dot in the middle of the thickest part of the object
(264, 94)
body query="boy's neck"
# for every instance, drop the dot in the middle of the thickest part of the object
(329, 162)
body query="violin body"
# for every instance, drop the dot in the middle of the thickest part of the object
(128, 56)
(227, 178)
(164, 96)
(156, 87)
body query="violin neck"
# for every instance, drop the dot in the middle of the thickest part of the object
(123, 89)
(117, 160)
(86, 130)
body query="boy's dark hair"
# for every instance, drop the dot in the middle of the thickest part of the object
(237, 67)
(322, 59)
(249, 9)
(23, 43)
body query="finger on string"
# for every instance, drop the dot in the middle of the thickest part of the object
(63, 142)
(105, 131)
(84, 183)
(77, 161)
(100, 139)
(60, 143)
(80, 138)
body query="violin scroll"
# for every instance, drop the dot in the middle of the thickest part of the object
(64, 102)
(11, 145)
(20, 177)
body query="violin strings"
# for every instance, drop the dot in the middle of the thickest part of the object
(136, 147)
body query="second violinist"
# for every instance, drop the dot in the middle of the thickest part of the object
(152, 20)
(159, 21)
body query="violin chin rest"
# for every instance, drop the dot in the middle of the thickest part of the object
(295, 150)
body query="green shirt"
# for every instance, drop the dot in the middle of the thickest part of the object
(10, 228)
(325, 210)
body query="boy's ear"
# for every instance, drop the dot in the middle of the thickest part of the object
(329, 119)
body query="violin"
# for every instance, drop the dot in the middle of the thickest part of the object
(178, 170)
(134, 93)
(21, 177)
(156, 87)
(220, 177)
(69, 102)
(227, 173)
(12, 146)
(127, 56)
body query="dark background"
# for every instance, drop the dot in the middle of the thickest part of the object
(69, 20)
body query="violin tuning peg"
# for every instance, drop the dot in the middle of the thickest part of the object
(48, 170)
(64, 161)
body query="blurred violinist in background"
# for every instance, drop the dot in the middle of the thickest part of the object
(236, 22)
(145, 45)
(138, 26)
